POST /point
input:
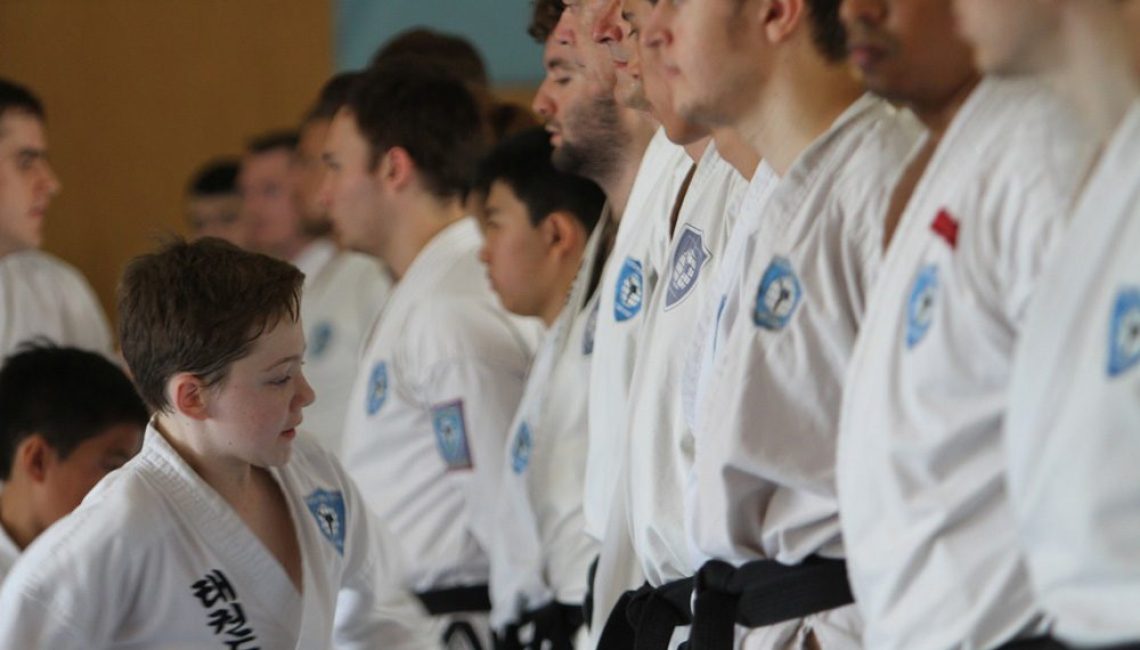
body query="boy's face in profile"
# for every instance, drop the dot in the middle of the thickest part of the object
(27, 182)
(68, 480)
(253, 414)
(514, 252)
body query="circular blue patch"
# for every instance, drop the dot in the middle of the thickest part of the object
(920, 307)
(521, 448)
(630, 291)
(320, 339)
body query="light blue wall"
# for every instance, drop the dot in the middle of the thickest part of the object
(497, 27)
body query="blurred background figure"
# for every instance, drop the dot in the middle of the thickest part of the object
(213, 205)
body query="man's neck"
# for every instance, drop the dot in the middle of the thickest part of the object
(617, 188)
(1096, 70)
(423, 218)
(937, 116)
(15, 517)
(291, 250)
(802, 99)
(558, 298)
(738, 153)
(229, 477)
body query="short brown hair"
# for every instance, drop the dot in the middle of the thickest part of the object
(428, 113)
(197, 308)
(454, 54)
(544, 19)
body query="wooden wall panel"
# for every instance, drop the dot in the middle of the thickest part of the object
(139, 92)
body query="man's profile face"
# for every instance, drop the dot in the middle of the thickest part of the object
(904, 50)
(217, 216)
(308, 173)
(27, 182)
(267, 200)
(349, 191)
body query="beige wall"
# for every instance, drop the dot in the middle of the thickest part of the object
(139, 92)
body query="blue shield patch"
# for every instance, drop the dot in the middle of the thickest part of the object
(451, 435)
(920, 307)
(320, 339)
(377, 388)
(630, 290)
(328, 510)
(779, 295)
(688, 260)
(521, 448)
(591, 327)
(1124, 333)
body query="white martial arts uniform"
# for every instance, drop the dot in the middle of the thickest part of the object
(540, 551)
(155, 558)
(41, 295)
(630, 275)
(765, 460)
(441, 379)
(660, 443)
(343, 293)
(9, 553)
(930, 538)
(1074, 416)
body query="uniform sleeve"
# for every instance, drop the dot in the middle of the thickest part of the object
(475, 367)
(28, 621)
(374, 608)
(85, 321)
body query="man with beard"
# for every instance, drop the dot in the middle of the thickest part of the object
(1070, 434)
(932, 555)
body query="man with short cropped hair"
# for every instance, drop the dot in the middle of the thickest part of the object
(444, 368)
(932, 550)
(782, 315)
(40, 295)
(344, 290)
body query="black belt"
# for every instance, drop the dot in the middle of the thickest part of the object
(455, 600)
(1049, 643)
(588, 601)
(556, 624)
(645, 619)
(762, 593)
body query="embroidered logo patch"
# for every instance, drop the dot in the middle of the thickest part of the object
(778, 297)
(920, 307)
(946, 227)
(1124, 344)
(377, 388)
(328, 509)
(521, 448)
(591, 327)
(451, 435)
(688, 260)
(630, 290)
(320, 339)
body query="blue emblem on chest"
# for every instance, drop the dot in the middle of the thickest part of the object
(319, 340)
(630, 290)
(688, 259)
(521, 447)
(451, 435)
(1124, 343)
(377, 388)
(779, 295)
(920, 306)
(328, 511)
(591, 327)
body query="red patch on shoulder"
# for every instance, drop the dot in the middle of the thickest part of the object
(946, 227)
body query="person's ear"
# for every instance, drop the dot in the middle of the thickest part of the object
(781, 17)
(189, 396)
(33, 457)
(563, 234)
(396, 168)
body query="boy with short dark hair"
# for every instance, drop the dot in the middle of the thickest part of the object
(68, 417)
(225, 529)
(537, 225)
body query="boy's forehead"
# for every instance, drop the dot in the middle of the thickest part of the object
(21, 129)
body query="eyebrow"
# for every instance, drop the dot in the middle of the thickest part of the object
(289, 359)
